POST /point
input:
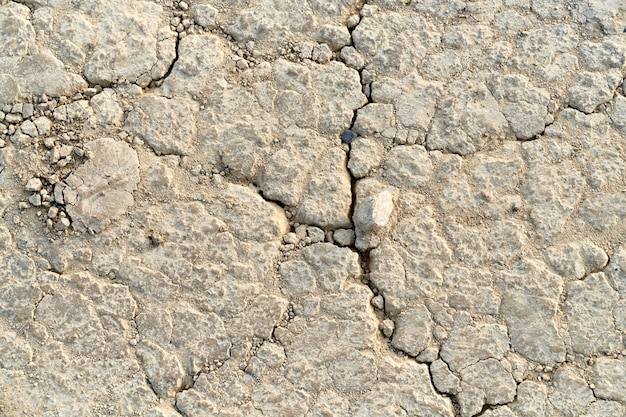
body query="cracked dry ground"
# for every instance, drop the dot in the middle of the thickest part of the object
(184, 232)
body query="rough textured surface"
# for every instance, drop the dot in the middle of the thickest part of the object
(320, 208)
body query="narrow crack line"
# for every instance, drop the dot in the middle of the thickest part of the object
(158, 82)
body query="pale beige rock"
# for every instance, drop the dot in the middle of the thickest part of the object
(408, 166)
(571, 392)
(104, 185)
(443, 379)
(492, 379)
(413, 330)
(167, 125)
(163, 370)
(373, 213)
(588, 306)
(609, 377)
(468, 344)
(529, 300)
(531, 399)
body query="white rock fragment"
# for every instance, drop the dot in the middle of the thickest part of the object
(618, 115)
(373, 213)
(29, 128)
(35, 200)
(167, 125)
(387, 327)
(609, 378)
(33, 184)
(351, 57)
(315, 233)
(336, 37)
(43, 125)
(344, 237)
(103, 185)
(321, 54)
(588, 306)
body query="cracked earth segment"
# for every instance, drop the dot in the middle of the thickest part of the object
(172, 131)
(101, 189)
(589, 308)
(492, 224)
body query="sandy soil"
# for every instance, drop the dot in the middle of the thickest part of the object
(313, 208)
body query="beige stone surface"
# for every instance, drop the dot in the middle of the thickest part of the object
(319, 208)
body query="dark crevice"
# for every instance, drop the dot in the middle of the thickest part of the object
(159, 82)
(455, 403)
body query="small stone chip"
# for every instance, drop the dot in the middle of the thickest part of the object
(33, 184)
(378, 302)
(387, 327)
(344, 237)
(35, 200)
(316, 234)
(348, 136)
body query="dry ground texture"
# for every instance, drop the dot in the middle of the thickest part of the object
(184, 232)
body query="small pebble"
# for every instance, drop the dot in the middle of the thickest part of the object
(53, 212)
(316, 234)
(291, 238)
(387, 327)
(35, 200)
(347, 136)
(33, 184)
(344, 237)
(378, 302)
